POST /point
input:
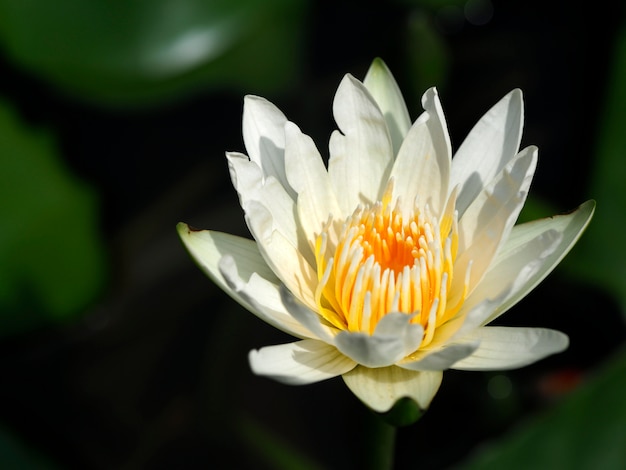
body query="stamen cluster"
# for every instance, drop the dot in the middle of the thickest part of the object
(383, 262)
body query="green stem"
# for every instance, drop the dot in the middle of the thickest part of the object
(381, 444)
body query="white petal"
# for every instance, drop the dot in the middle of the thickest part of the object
(308, 177)
(380, 388)
(285, 259)
(299, 363)
(519, 245)
(208, 247)
(361, 157)
(264, 137)
(512, 273)
(263, 297)
(441, 140)
(509, 348)
(465, 321)
(307, 317)
(443, 358)
(423, 163)
(488, 221)
(250, 184)
(380, 83)
(493, 200)
(489, 146)
(246, 176)
(252, 283)
(394, 338)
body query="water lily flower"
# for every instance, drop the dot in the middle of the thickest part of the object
(387, 264)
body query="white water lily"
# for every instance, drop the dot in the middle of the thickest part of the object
(388, 264)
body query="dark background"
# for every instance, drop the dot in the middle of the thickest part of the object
(153, 373)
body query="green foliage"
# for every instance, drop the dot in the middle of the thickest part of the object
(51, 260)
(428, 57)
(120, 52)
(586, 431)
(15, 454)
(601, 256)
(272, 449)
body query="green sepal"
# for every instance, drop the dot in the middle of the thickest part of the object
(404, 412)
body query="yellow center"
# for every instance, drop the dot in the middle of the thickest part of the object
(383, 261)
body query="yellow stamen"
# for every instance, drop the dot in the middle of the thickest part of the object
(386, 261)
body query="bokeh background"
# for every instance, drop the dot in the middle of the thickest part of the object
(117, 353)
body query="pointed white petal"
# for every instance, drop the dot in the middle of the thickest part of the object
(489, 219)
(308, 177)
(380, 388)
(443, 358)
(361, 154)
(246, 176)
(252, 283)
(441, 140)
(208, 247)
(394, 338)
(264, 137)
(263, 297)
(285, 259)
(465, 321)
(423, 164)
(299, 363)
(307, 317)
(509, 348)
(380, 83)
(250, 184)
(489, 146)
(510, 274)
(492, 201)
(521, 240)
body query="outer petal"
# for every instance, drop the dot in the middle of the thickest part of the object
(264, 137)
(570, 226)
(263, 298)
(512, 273)
(361, 157)
(488, 221)
(442, 359)
(441, 139)
(393, 338)
(258, 285)
(287, 262)
(308, 177)
(455, 329)
(489, 146)
(509, 348)
(251, 185)
(380, 83)
(308, 318)
(422, 167)
(300, 363)
(380, 388)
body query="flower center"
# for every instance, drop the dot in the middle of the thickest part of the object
(383, 261)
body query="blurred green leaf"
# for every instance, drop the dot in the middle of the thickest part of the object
(601, 254)
(117, 52)
(51, 261)
(434, 4)
(271, 449)
(14, 454)
(586, 431)
(536, 208)
(427, 54)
